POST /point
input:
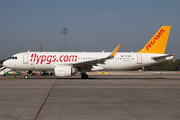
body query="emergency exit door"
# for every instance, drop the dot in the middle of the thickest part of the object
(139, 58)
(25, 58)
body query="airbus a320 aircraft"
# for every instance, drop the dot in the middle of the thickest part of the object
(65, 64)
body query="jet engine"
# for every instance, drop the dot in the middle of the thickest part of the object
(64, 71)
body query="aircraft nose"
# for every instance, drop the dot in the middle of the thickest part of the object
(5, 63)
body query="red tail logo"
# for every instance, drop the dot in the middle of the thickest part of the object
(154, 39)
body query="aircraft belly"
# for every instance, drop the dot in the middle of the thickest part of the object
(119, 65)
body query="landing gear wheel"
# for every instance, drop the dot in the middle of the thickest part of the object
(84, 76)
(26, 76)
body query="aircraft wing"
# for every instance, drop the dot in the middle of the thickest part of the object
(88, 64)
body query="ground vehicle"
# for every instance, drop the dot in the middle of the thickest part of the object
(12, 73)
(44, 73)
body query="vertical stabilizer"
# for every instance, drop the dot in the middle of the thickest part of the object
(157, 43)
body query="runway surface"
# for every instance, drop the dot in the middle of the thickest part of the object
(132, 97)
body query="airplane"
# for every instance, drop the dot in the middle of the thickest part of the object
(65, 64)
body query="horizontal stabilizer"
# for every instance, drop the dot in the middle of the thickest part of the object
(162, 57)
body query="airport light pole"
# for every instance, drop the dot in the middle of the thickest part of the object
(64, 30)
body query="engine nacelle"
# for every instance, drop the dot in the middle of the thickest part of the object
(63, 71)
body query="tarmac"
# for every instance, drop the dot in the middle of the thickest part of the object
(102, 97)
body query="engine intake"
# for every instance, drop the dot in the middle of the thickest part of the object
(63, 71)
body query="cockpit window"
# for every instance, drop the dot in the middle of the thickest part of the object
(14, 57)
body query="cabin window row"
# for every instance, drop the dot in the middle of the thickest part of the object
(86, 58)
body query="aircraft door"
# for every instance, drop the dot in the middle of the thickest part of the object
(25, 58)
(139, 58)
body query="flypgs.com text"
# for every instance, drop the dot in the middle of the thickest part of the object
(48, 59)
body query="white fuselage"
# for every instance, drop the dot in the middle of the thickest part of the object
(47, 60)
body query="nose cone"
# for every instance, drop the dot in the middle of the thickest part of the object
(5, 63)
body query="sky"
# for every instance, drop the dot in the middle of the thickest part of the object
(93, 25)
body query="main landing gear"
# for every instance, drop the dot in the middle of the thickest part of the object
(84, 76)
(26, 75)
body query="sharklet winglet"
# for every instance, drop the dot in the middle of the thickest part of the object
(114, 51)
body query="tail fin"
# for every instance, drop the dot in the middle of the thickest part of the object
(157, 43)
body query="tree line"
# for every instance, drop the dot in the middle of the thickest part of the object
(164, 66)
